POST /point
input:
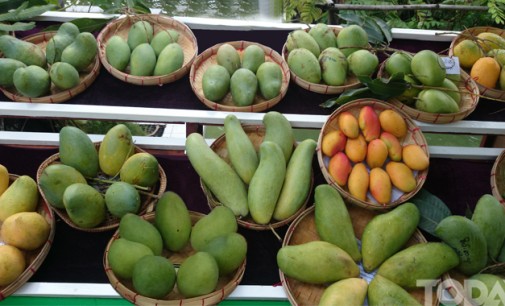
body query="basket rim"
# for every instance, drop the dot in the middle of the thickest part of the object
(146, 206)
(147, 80)
(61, 95)
(210, 52)
(494, 182)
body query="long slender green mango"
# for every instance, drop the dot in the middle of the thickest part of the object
(489, 215)
(279, 130)
(217, 175)
(23, 51)
(349, 291)
(333, 223)
(383, 292)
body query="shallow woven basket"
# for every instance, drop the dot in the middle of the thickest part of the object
(121, 26)
(147, 200)
(209, 57)
(226, 283)
(469, 99)
(256, 133)
(33, 258)
(498, 178)
(414, 136)
(350, 83)
(87, 77)
(303, 229)
(493, 93)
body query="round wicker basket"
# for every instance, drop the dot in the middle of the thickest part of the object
(225, 287)
(33, 258)
(321, 88)
(256, 134)
(121, 26)
(303, 229)
(414, 136)
(492, 93)
(209, 57)
(498, 178)
(469, 99)
(147, 199)
(87, 77)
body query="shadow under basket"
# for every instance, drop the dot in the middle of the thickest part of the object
(148, 198)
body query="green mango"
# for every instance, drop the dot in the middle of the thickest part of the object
(334, 66)
(351, 39)
(333, 222)
(197, 275)
(453, 90)
(349, 291)
(229, 250)
(501, 255)
(269, 76)
(489, 215)
(266, 183)
(363, 63)
(170, 59)
(302, 39)
(78, 151)
(23, 51)
(278, 129)
(21, 196)
(228, 57)
(8, 66)
(140, 32)
(163, 38)
(173, 221)
(241, 151)
(316, 262)
(117, 52)
(124, 254)
(122, 198)
(467, 240)
(81, 52)
(219, 221)
(485, 289)
(387, 233)
(419, 261)
(324, 36)
(85, 205)
(65, 35)
(116, 147)
(54, 179)
(398, 62)
(383, 292)
(64, 76)
(32, 81)
(153, 276)
(142, 60)
(252, 57)
(436, 101)
(134, 228)
(409, 95)
(304, 65)
(428, 68)
(243, 87)
(215, 83)
(141, 169)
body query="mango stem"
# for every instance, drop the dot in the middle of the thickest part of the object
(275, 233)
(112, 182)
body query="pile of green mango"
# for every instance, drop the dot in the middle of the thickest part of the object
(144, 53)
(32, 70)
(244, 75)
(269, 184)
(74, 183)
(139, 254)
(385, 248)
(320, 56)
(432, 89)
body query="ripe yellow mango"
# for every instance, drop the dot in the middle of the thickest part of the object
(394, 146)
(401, 176)
(359, 181)
(339, 168)
(369, 123)
(333, 142)
(348, 124)
(415, 157)
(356, 149)
(377, 153)
(380, 185)
(393, 122)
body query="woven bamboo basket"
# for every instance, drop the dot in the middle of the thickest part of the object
(256, 134)
(209, 57)
(226, 283)
(33, 258)
(498, 178)
(492, 93)
(148, 199)
(414, 136)
(469, 99)
(87, 77)
(303, 229)
(121, 26)
(321, 88)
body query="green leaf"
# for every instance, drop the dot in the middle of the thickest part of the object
(33, 12)
(386, 88)
(432, 210)
(11, 15)
(141, 8)
(351, 18)
(347, 96)
(374, 32)
(385, 29)
(84, 24)
(18, 26)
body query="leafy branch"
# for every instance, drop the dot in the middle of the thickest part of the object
(10, 20)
